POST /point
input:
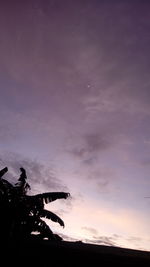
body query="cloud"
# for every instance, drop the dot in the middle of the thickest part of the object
(91, 230)
(102, 240)
(115, 99)
(88, 150)
(67, 237)
(134, 242)
(90, 145)
(144, 162)
(114, 240)
(102, 175)
(119, 241)
(41, 177)
(96, 142)
(134, 239)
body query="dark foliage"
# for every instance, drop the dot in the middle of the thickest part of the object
(21, 213)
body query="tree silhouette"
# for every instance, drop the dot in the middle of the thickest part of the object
(21, 213)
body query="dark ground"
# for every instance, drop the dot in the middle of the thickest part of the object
(63, 253)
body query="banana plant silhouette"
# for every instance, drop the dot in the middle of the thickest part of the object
(21, 213)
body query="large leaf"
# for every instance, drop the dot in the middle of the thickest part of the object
(52, 216)
(3, 171)
(51, 196)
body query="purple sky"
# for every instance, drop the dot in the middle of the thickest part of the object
(75, 112)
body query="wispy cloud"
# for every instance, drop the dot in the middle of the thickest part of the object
(91, 230)
(117, 240)
(39, 175)
(102, 240)
(117, 98)
(90, 145)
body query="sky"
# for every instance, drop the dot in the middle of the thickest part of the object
(75, 113)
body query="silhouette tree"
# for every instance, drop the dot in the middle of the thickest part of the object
(21, 213)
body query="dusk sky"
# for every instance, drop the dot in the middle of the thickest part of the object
(75, 112)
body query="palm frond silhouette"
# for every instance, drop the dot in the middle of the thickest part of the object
(22, 214)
